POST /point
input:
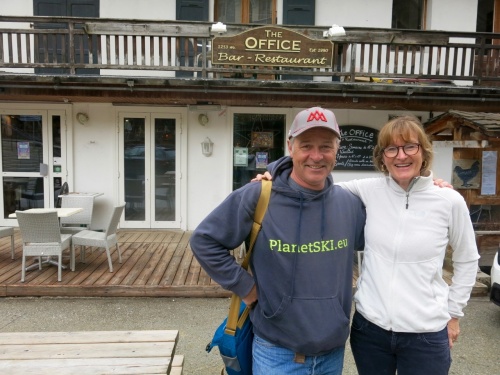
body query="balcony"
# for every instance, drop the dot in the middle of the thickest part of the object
(170, 63)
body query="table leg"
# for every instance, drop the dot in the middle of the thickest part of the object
(47, 261)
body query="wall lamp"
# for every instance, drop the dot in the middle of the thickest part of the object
(219, 28)
(207, 146)
(335, 30)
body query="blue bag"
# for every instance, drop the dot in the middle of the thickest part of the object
(235, 345)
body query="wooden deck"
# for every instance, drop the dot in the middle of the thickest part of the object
(156, 263)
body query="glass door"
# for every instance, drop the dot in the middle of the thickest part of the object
(29, 140)
(148, 164)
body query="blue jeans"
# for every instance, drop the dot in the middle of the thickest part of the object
(272, 359)
(380, 352)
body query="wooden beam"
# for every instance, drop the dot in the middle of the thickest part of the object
(147, 29)
(461, 144)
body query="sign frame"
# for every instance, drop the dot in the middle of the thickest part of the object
(272, 46)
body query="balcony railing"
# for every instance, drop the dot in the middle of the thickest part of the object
(79, 46)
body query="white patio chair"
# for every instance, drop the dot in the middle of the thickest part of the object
(104, 239)
(80, 221)
(41, 237)
(8, 231)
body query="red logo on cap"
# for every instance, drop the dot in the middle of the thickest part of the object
(317, 115)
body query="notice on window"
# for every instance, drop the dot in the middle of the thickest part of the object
(261, 160)
(240, 157)
(489, 176)
(23, 150)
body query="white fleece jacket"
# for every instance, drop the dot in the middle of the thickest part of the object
(401, 287)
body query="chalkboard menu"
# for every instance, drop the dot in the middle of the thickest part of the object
(356, 148)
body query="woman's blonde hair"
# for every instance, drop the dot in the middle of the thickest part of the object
(404, 127)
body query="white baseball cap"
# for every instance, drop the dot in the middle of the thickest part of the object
(312, 118)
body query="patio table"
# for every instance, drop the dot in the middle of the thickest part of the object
(90, 352)
(61, 212)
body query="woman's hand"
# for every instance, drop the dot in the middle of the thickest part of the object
(453, 331)
(265, 176)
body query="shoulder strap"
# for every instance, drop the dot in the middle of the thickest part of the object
(260, 211)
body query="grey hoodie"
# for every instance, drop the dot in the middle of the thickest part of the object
(302, 260)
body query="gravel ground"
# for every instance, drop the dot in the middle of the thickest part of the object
(476, 352)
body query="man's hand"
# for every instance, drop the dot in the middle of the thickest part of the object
(251, 298)
(453, 331)
(265, 176)
(439, 182)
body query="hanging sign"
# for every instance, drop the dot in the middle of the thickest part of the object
(272, 46)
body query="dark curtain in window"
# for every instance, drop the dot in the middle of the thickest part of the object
(407, 14)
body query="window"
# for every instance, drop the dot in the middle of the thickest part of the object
(488, 19)
(258, 139)
(245, 11)
(485, 11)
(408, 14)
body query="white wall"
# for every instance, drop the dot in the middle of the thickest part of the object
(452, 15)
(368, 13)
(16, 8)
(208, 177)
(95, 156)
(354, 13)
(133, 9)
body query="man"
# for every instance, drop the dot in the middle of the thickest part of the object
(301, 281)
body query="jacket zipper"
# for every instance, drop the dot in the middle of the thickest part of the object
(408, 190)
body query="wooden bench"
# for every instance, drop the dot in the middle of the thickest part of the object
(90, 352)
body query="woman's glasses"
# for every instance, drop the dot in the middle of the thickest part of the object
(409, 149)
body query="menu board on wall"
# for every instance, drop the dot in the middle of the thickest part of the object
(489, 175)
(356, 148)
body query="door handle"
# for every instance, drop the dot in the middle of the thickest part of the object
(44, 169)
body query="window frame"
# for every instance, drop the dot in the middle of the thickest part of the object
(245, 11)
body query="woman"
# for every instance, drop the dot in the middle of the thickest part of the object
(407, 318)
